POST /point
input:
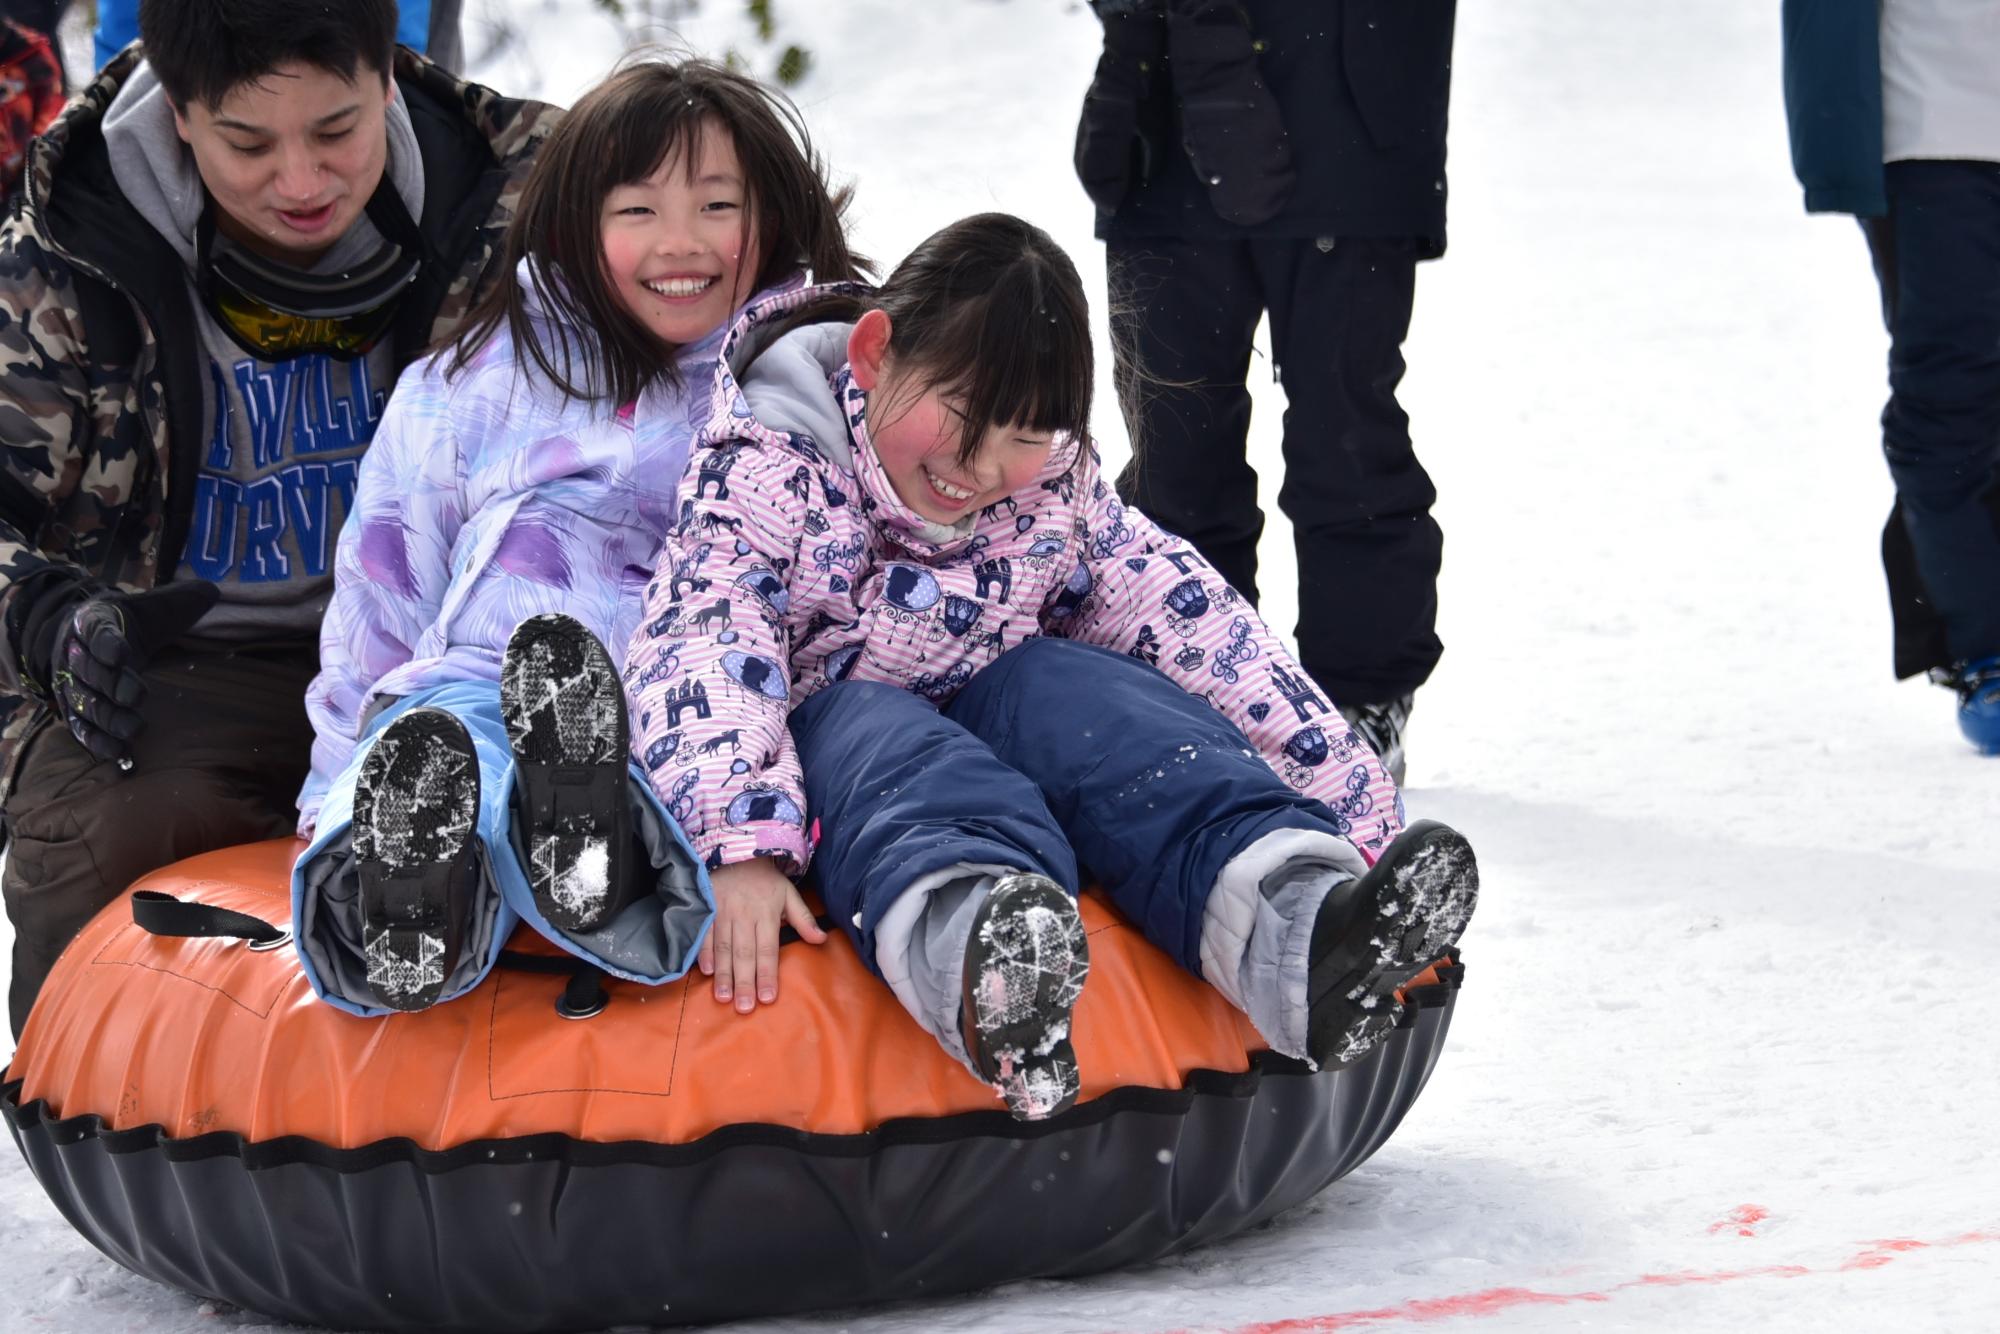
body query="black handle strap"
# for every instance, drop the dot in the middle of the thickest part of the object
(539, 963)
(164, 915)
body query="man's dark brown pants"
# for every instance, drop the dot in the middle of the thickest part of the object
(225, 749)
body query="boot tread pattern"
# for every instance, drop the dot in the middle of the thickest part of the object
(1414, 905)
(416, 804)
(1025, 968)
(564, 708)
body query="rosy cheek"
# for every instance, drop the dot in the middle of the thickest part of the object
(617, 257)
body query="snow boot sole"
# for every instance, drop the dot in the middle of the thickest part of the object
(1375, 933)
(416, 809)
(1025, 966)
(564, 708)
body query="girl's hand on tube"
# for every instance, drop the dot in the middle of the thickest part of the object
(753, 902)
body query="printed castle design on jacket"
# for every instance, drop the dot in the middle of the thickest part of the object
(793, 565)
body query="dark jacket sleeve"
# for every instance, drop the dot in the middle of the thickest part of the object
(44, 424)
(1833, 101)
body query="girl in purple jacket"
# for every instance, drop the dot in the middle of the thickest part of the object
(905, 632)
(470, 761)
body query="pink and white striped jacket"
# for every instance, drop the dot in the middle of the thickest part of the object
(794, 565)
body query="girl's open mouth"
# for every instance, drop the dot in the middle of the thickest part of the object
(955, 496)
(680, 288)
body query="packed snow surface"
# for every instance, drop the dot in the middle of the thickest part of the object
(1722, 1058)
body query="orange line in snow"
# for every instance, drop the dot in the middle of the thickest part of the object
(1493, 1301)
(1744, 1218)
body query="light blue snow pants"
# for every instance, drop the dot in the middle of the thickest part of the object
(652, 941)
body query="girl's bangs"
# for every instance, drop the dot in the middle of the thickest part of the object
(659, 130)
(1023, 360)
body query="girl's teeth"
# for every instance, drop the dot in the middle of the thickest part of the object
(681, 286)
(947, 490)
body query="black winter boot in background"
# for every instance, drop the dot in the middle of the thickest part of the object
(1382, 727)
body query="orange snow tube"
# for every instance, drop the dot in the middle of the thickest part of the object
(490, 1164)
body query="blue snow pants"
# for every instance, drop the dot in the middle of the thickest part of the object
(652, 941)
(1060, 758)
(1937, 257)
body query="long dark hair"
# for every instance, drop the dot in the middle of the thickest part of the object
(617, 134)
(991, 312)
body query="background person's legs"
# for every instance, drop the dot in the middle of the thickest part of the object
(1183, 314)
(1359, 501)
(1937, 256)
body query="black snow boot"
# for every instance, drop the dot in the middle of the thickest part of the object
(1024, 969)
(1373, 934)
(564, 707)
(416, 810)
(1382, 727)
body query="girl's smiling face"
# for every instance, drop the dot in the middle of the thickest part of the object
(677, 244)
(917, 431)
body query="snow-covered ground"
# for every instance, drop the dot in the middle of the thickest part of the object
(1721, 1056)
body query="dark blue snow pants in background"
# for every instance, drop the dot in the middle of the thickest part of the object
(1937, 255)
(1060, 758)
(1359, 501)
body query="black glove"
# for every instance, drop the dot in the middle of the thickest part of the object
(93, 644)
(1230, 124)
(1116, 139)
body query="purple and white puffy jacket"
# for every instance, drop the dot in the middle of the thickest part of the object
(792, 565)
(485, 499)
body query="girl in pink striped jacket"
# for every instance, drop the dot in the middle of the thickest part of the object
(905, 632)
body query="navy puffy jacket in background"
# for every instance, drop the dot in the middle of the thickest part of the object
(1833, 101)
